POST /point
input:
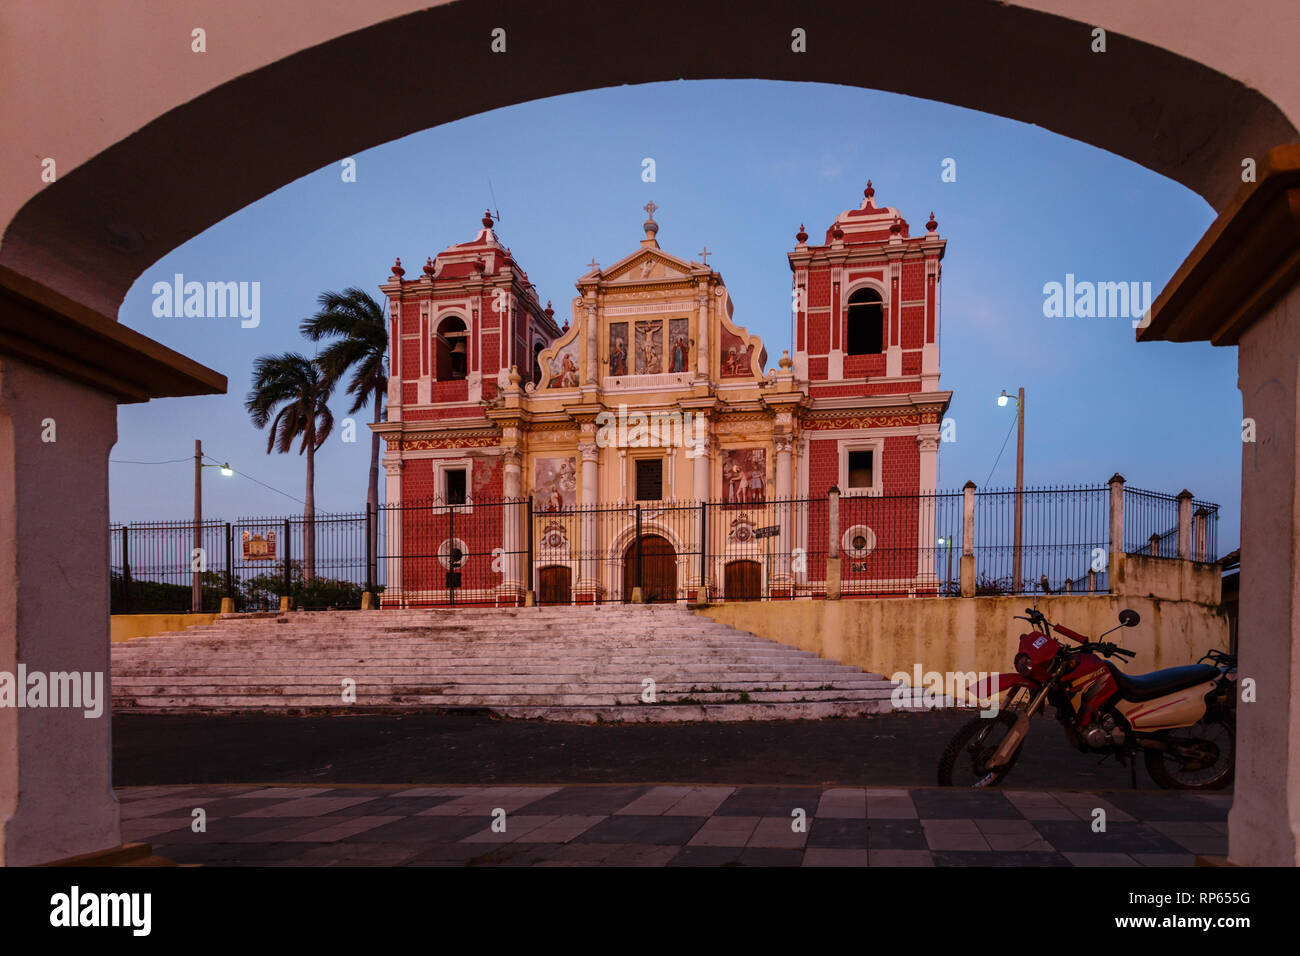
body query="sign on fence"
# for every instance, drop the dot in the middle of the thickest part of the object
(257, 547)
(771, 531)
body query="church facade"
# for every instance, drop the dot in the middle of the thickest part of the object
(644, 449)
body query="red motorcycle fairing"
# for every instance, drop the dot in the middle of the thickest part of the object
(997, 683)
(1090, 684)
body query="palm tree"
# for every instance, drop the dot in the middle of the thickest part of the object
(359, 329)
(299, 388)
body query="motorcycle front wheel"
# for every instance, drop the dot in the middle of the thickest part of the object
(965, 761)
(1199, 757)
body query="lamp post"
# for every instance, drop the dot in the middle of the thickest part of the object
(196, 579)
(1016, 567)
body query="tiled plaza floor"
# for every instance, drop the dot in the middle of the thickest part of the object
(655, 825)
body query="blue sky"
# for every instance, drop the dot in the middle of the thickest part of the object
(739, 165)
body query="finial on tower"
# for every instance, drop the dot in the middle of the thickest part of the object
(651, 227)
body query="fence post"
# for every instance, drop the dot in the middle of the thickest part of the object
(638, 591)
(228, 602)
(1199, 523)
(1116, 547)
(126, 573)
(286, 602)
(530, 594)
(1184, 525)
(370, 556)
(968, 539)
(702, 592)
(1153, 544)
(452, 551)
(833, 544)
(1092, 581)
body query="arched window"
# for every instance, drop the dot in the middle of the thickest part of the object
(537, 361)
(866, 324)
(453, 349)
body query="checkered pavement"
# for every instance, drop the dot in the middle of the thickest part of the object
(655, 825)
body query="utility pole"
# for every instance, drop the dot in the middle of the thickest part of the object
(196, 581)
(1017, 567)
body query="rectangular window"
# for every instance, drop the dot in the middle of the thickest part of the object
(454, 490)
(861, 470)
(649, 479)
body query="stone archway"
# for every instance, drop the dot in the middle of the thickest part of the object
(143, 164)
(156, 143)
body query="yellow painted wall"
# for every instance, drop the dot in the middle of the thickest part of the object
(973, 634)
(126, 627)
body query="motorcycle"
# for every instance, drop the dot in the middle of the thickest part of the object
(1182, 719)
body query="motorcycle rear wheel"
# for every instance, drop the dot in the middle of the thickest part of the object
(1167, 770)
(964, 761)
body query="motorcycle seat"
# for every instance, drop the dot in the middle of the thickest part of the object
(1138, 687)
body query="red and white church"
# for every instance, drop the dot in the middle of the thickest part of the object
(491, 399)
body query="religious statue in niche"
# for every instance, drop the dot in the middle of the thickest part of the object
(649, 347)
(618, 348)
(744, 475)
(679, 353)
(555, 483)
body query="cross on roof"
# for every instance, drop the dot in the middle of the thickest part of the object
(650, 208)
(704, 255)
(594, 264)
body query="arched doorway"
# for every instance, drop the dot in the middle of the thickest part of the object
(742, 581)
(555, 585)
(658, 571)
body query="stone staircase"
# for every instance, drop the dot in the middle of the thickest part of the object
(585, 664)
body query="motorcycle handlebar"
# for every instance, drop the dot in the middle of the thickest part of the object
(1106, 649)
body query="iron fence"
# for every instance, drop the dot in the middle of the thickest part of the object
(1064, 540)
(498, 551)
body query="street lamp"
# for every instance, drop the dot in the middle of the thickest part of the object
(1020, 483)
(196, 577)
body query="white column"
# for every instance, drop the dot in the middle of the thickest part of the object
(894, 307)
(56, 796)
(512, 583)
(1115, 562)
(703, 451)
(393, 531)
(784, 511)
(926, 539)
(1264, 824)
(702, 334)
(589, 571)
(1184, 525)
(590, 322)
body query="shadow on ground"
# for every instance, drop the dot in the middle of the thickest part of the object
(423, 748)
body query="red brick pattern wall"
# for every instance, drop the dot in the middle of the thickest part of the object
(856, 366)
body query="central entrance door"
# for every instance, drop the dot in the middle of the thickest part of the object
(742, 581)
(658, 570)
(555, 585)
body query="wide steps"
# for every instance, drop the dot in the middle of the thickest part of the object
(573, 664)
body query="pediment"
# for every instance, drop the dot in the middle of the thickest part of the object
(648, 265)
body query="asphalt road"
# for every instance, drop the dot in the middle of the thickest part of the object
(426, 748)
